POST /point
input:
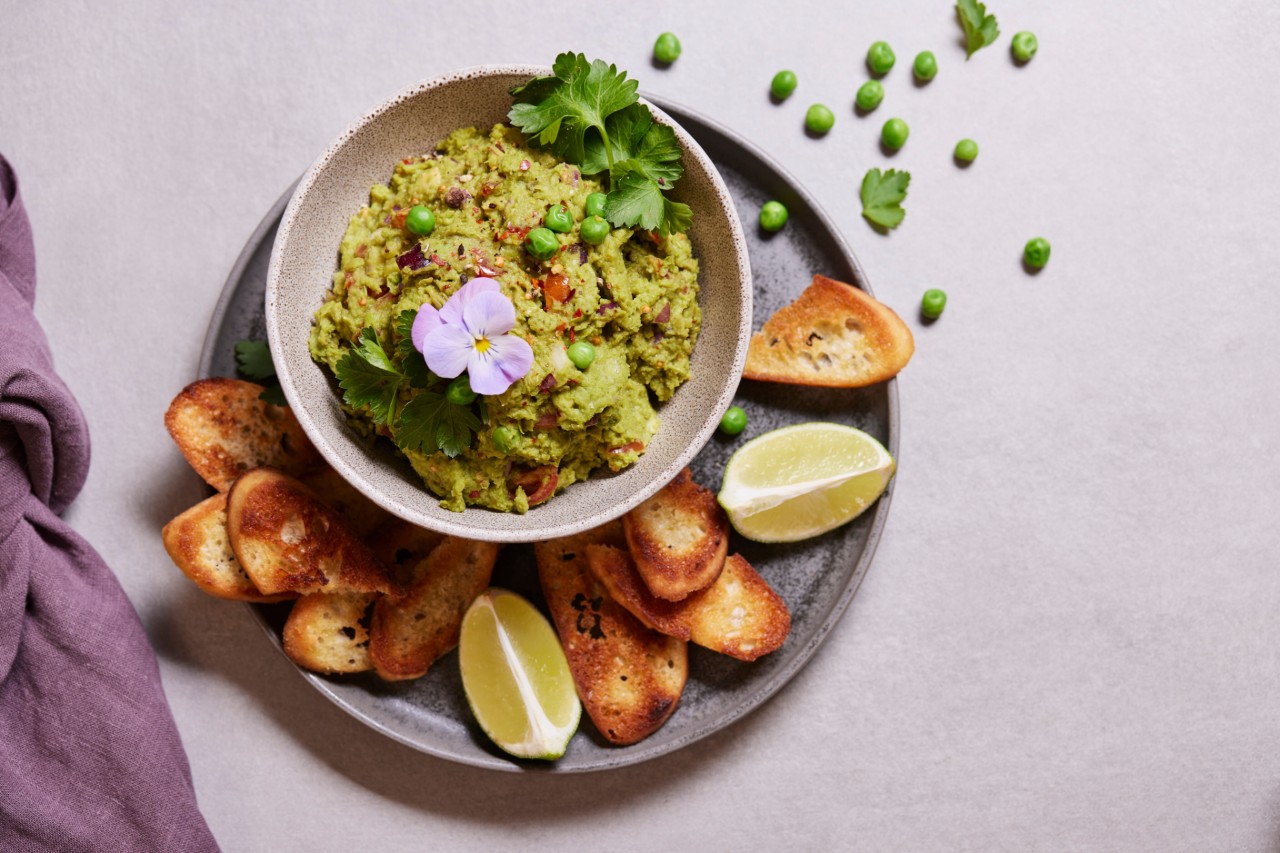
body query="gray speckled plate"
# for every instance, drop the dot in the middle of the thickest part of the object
(816, 578)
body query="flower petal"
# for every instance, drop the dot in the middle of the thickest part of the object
(513, 354)
(427, 321)
(451, 313)
(447, 349)
(488, 315)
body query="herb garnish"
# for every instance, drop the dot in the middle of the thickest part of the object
(253, 359)
(980, 29)
(588, 114)
(882, 196)
(370, 379)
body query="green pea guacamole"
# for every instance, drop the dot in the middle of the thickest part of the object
(633, 297)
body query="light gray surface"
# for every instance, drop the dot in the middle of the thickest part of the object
(1069, 638)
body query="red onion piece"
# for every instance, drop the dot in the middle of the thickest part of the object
(413, 259)
(548, 383)
(606, 307)
(664, 315)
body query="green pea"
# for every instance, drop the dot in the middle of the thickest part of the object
(869, 96)
(773, 215)
(1036, 252)
(734, 421)
(894, 134)
(966, 151)
(420, 220)
(933, 303)
(819, 119)
(459, 391)
(925, 66)
(582, 354)
(503, 438)
(783, 84)
(1025, 45)
(595, 204)
(880, 58)
(541, 243)
(667, 48)
(594, 229)
(559, 219)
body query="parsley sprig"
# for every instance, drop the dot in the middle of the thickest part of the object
(980, 29)
(882, 197)
(588, 113)
(253, 359)
(371, 379)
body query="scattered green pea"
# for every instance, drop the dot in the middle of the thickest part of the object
(783, 84)
(595, 204)
(559, 219)
(933, 303)
(880, 58)
(734, 421)
(582, 354)
(504, 438)
(541, 243)
(1025, 45)
(667, 48)
(594, 229)
(925, 66)
(1036, 252)
(819, 119)
(420, 220)
(966, 151)
(459, 391)
(894, 134)
(773, 215)
(869, 96)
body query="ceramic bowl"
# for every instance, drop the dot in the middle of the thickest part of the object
(305, 256)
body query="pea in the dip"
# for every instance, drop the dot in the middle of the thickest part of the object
(611, 315)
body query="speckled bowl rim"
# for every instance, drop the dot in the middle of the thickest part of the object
(534, 529)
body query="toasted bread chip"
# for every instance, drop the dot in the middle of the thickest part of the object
(409, 633)
(224, 430)
(629, 677)
(678, 538)
(328, 632)
(198, 543)
(362, 514)
(739, 615)
(401, 546)
(288, 540)
(833, 335)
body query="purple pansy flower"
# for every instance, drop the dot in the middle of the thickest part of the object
(470, 333)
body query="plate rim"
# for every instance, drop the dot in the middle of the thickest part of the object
(626, 757)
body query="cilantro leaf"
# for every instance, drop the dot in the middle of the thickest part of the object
(253, 358)
(558, 111)
(980, 29)
(368, 378)
(882, 196)
(430, 423)
(639, 144)
(638, 200)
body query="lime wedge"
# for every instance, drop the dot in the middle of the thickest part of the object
(516, 677)
(799, 481)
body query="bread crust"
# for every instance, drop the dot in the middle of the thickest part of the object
(198, 543)
(833, 335)
(224, 430)
(678, 538)
(328, 632)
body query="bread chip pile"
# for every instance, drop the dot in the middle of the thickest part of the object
(628, 597)
(372, 592)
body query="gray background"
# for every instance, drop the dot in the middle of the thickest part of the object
(1068, 639)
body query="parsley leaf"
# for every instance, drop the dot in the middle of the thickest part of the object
(980, 29)
(640, 144)
(638, 200)
(411, 361)
(882, 196)
(274, 395)
(430, 422)
(368, 378)
(253, 358)
(558, 111)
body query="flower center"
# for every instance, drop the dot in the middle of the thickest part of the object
(482, 344)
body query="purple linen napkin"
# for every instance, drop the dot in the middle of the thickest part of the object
(89, 755)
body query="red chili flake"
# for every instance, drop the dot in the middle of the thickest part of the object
(438, 261)
(573, 336)
(577, 313)
(360, 250)
(473, 494)
(524, 165)
(407, 160)
(560, 329)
